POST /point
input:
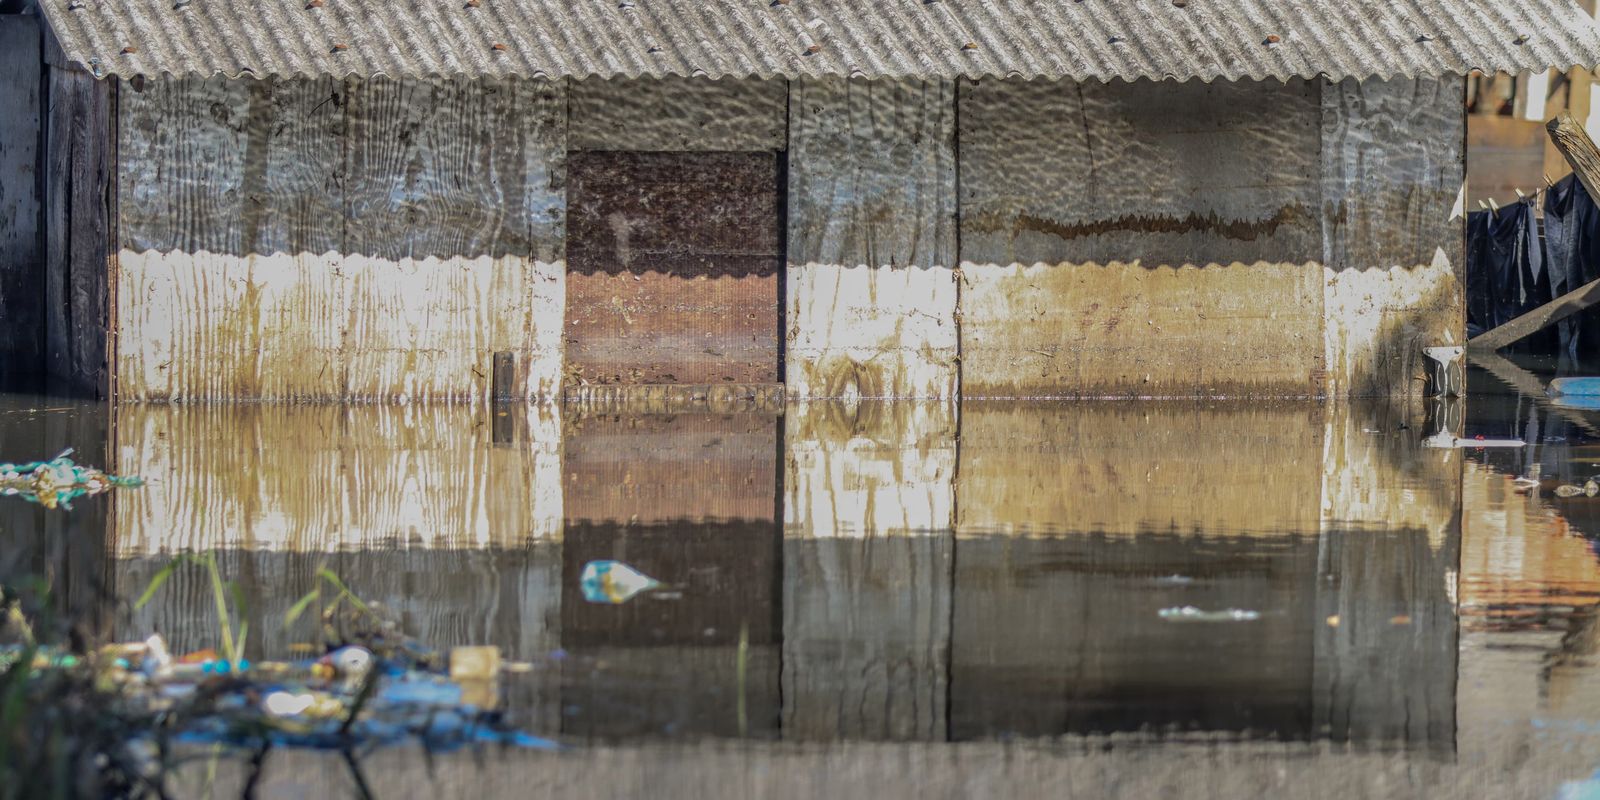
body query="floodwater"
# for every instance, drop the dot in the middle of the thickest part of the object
(1297, 599)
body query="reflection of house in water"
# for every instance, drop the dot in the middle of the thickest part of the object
(899, 571)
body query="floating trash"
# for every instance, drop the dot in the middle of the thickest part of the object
(348, 697)
(1447, 440)
(57, 482)
(1568, 490)
(1192, 614)
(613, 582)
(1174, 580)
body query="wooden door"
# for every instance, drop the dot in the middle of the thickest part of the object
(673, 268)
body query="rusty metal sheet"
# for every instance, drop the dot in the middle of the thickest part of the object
(673, 268)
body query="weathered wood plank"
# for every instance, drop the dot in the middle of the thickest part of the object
(79, 232)
(1139, 239)
(22, 256)
(872, 236)
(1394, 256)
(674, 260)
(678, 114)
(1575, 144)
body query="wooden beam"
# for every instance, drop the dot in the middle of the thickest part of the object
(1573, 141)
(1538, 319)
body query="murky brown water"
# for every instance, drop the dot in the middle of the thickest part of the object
(956, 601)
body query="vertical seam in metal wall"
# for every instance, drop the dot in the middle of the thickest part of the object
(113, 260)
(955, 155)
(783, 244)
(347, 86)
(41, 193)
(955, 402)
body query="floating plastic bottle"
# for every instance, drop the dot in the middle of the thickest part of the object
(613, 582)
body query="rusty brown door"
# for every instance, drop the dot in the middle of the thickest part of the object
(674, 262)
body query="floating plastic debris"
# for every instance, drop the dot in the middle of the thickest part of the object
(57, 482)
(1448, 440)
(1578, 387)
(613, 582)
(349, 696)
(1174, 580)
(1192, 614)
(1568, 490)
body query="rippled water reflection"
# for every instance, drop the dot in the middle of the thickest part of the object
(998, 574)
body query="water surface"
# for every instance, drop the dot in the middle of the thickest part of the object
(896, 598)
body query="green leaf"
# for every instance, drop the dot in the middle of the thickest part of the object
(301, 605)
(159, 578)
(344, 591)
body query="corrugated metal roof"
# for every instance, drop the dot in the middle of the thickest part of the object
(1076, 39)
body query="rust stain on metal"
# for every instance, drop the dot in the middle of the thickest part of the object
(674, 260)
(1246, 230)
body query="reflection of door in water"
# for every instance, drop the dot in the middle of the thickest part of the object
(673, 268)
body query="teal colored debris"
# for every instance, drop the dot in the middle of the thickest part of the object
(613, 582)
(58, 482)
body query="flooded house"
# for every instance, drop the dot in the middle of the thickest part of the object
(352, 200)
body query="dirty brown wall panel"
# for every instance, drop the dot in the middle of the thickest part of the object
(674, 266)
(677, 114)
(456, 216)
(872, 238)
(1394, 252)
(231, 230)
(80, 228)
(1140, 239)
(22, 256)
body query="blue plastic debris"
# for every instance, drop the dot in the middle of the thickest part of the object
(1574, 387)
(57, 482)
(613, 582)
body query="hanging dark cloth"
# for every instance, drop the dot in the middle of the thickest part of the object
(1572, 242)
(1506, 275)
